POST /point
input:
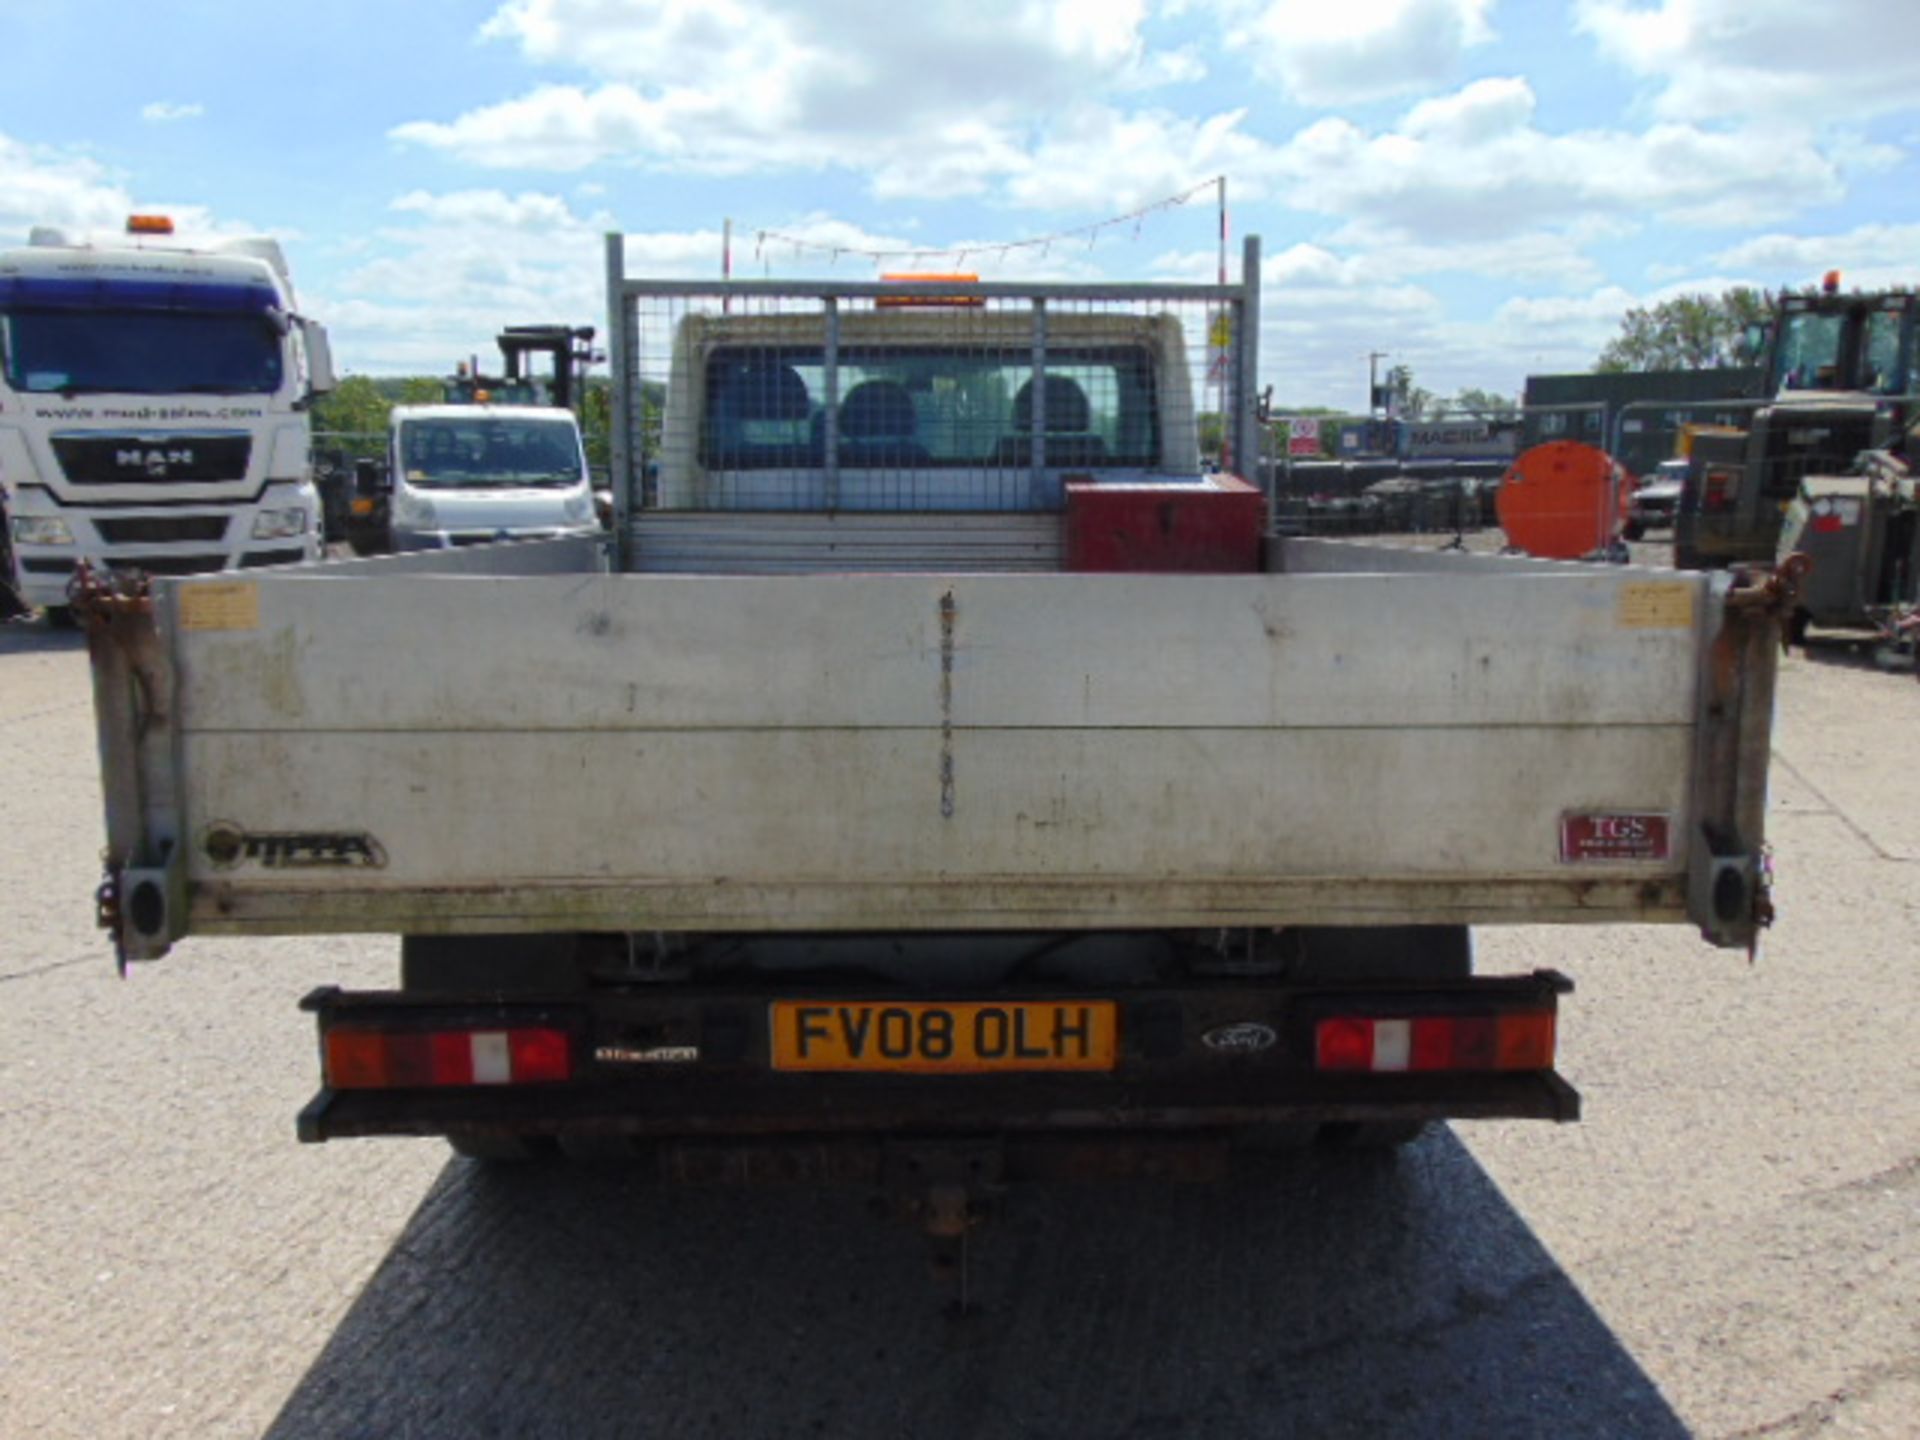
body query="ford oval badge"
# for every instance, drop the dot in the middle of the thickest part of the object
(1248, 1037)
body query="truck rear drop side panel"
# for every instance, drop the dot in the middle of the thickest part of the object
(1362, 737)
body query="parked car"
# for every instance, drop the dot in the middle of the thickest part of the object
(1657, 501)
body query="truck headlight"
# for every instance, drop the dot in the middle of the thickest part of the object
(41, 530)
(280, 524)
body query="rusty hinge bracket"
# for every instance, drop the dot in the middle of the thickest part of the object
(107, 915)
(1774, 593)
(101, 597)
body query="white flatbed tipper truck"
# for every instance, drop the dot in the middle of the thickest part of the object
(936, 779)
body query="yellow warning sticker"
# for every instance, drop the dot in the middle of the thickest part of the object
(220, 605)
(1657, 605)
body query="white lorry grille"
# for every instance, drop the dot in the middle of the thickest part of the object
(156, 459)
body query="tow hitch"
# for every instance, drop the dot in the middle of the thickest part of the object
(949, 1188)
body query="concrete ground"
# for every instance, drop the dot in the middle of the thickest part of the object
(1727, 1245)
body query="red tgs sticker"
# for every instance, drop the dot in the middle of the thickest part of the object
(1633, 835)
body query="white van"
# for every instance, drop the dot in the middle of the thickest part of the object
(473, 474)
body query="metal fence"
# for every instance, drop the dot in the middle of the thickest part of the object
(1640, 446)
(1371, 493)
(931, 395)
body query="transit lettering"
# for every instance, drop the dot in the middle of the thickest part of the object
(279, 851)
(227, 845)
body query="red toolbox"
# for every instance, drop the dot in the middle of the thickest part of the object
(1214, 525)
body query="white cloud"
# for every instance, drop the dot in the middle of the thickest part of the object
(1024, 106)
(1325, 308)
(488, 211)
(43, 185)
(1025, 48)
(1560, 257)
(162, 112)
(830, 246)
(955, 103)
(1089, 156)
(1165, 67)
(455, 267)
(557, 127)
(1324, 312)
(1814, 64)
(1545, 335)
(1870, 256)
(1473, 166)
(1561, 334)
(1605, 305)
(458, 266)
(1308, 284)
(1097, 158)
(1334, 52)
(1321, 312)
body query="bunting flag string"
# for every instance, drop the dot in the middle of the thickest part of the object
(764, 239)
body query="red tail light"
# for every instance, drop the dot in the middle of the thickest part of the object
(413, 1059)
(1344, 1044)
(1522, 1040)
(540, 1056)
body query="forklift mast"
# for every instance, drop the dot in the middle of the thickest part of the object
(569, 351)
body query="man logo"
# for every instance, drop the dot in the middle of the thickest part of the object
(154, 462)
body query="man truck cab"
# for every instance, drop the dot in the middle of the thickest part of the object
(155, 395)
(473, 474)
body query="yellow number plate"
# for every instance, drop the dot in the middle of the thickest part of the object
(945, 1038)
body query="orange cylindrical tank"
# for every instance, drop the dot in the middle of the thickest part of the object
(1563, 499)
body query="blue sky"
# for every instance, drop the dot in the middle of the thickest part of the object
(1478, 188)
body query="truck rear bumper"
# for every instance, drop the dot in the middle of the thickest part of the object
(734, 1111)
(1175, 1073)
